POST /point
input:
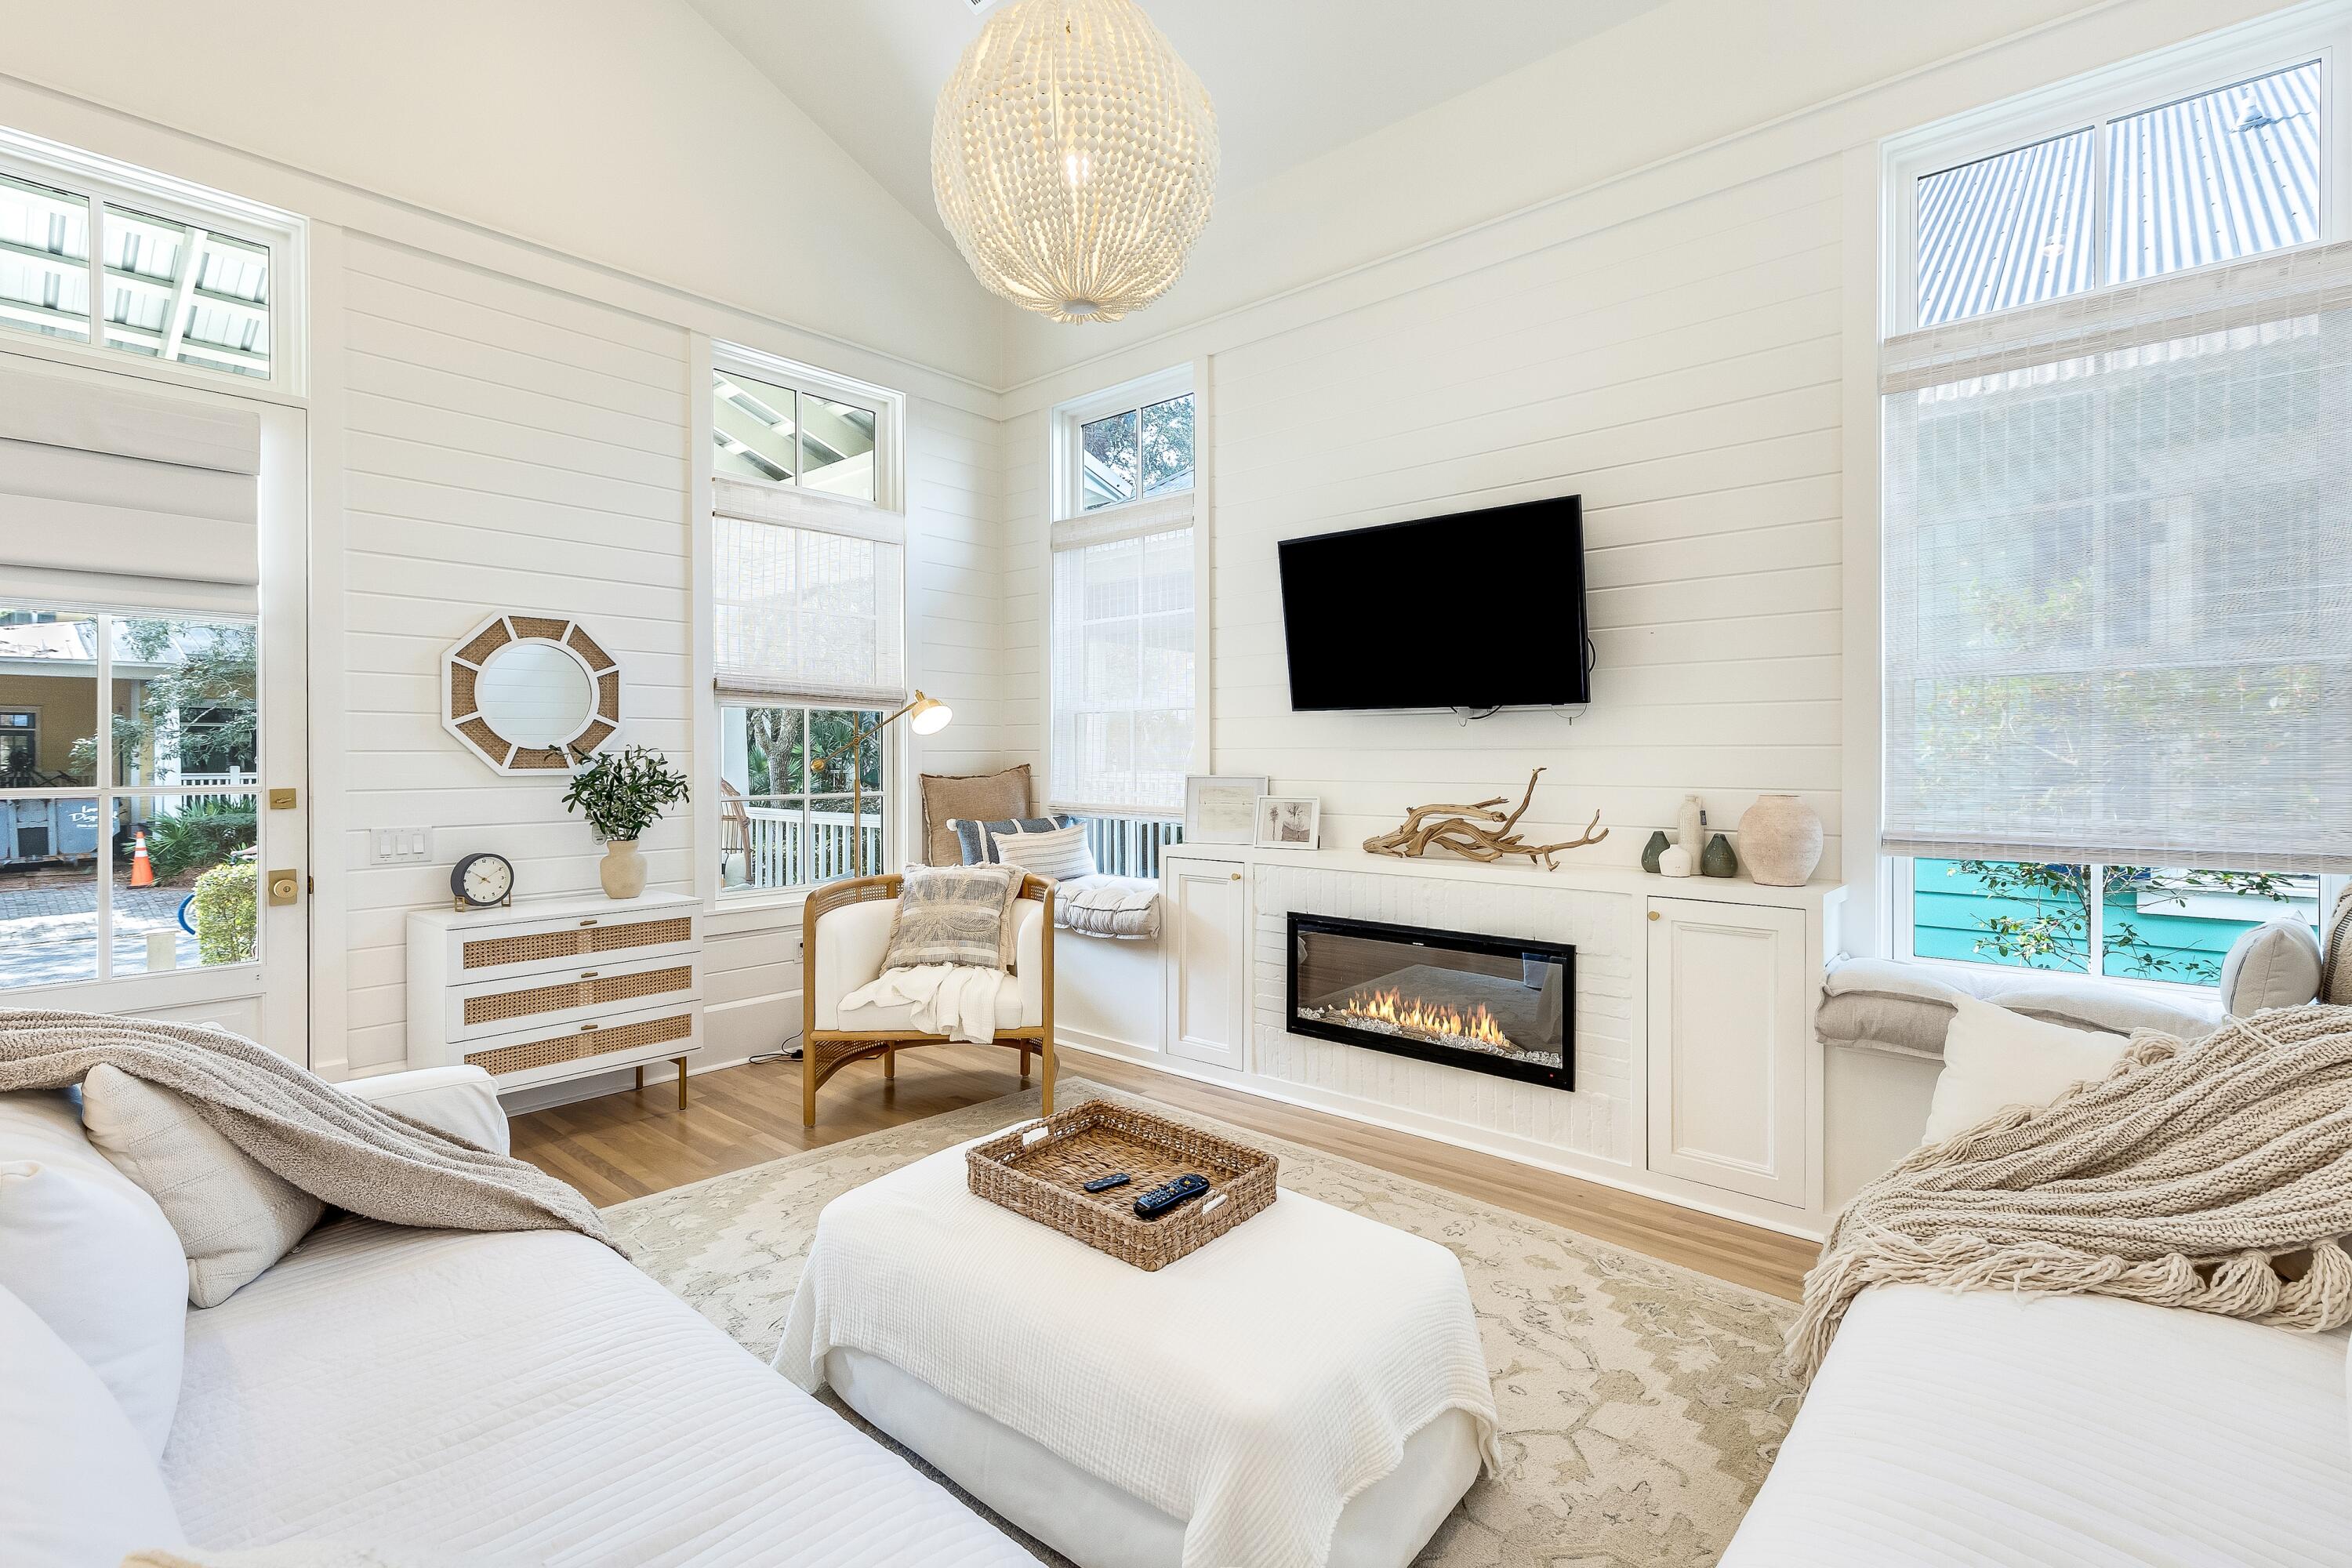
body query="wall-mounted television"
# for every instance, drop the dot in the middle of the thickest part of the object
(1475, 609)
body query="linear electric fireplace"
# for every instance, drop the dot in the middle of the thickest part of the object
(1490, 1004)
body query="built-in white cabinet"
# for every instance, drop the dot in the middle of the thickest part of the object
(1204, 930)
(1730, 995)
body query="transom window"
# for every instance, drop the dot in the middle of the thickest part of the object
(1136, 453)
(784, 435)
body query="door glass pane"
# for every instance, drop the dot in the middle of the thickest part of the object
(2005, 231)
(2224, 174)
(838, 448)
(1107, 461)
(1168, 446)
(49, 891)
(184, 702)
(45, 267)
(184, 881)
(48, 699)
(752, 424)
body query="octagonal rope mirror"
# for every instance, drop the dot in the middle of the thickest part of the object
(530, 694)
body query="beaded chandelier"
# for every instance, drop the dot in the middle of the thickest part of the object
(1074, 157)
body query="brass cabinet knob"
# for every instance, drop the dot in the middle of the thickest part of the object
(1654, 915)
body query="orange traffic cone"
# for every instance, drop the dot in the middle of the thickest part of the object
(142, 870)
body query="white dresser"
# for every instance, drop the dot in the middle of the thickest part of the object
(557, 988)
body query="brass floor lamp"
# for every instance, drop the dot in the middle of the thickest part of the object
(924, 715)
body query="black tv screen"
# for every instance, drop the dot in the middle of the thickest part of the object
(1478, 609)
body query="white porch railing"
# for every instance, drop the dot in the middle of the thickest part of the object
(788, 850)
(233, 776)
(1130, 846)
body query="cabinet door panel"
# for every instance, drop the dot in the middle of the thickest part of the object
(1727, 1047)
(1206, 906)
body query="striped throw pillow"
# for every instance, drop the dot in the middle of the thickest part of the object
(954, 914)
(1059, 855)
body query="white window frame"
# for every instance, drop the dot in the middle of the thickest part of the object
(105, 181)
(2293, 38)
(1067, 496)
(753, 909)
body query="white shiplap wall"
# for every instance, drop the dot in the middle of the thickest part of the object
(506, 447)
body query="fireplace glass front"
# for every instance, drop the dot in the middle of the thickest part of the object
(1494, 1004)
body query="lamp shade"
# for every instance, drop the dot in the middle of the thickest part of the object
(1074, 157)
(929, 716)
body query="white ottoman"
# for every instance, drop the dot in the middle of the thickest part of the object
(1307, 1391)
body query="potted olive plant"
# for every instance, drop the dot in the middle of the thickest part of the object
(622, 795)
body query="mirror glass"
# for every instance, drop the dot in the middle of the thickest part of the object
(534, 694)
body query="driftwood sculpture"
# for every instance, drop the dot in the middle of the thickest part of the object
(1478, 831)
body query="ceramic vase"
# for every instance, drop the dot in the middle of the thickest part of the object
(1718, 860)
(1691, 822)
(1780, 840)
(623, 870)
(1658, 845)
(1675, 862)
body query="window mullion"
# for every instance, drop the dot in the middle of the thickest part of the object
(104, 773)
(2094, 893)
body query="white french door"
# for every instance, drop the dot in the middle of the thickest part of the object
(153, 798)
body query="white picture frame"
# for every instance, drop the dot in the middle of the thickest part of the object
(1221, 808)
(1288, 822)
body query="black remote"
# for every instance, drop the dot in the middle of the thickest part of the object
(1159, 1200)
(1105, 1184)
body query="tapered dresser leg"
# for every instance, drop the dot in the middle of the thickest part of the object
(681, 1083)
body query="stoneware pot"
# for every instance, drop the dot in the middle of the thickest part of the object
(1718, 860)
(1780, 840)
(1658, 845)
(1675, 862)
(623, 870)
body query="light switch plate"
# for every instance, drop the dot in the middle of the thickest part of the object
(400, 846)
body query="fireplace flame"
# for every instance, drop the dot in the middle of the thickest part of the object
(1421, 1017)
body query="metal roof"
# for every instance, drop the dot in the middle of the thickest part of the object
(2227, 174)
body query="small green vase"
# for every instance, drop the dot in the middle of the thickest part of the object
(1652, 849)
(1718, 859)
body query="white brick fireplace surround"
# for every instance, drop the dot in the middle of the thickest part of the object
(1697, 1076)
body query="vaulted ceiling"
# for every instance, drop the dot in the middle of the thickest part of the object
(1291, 78)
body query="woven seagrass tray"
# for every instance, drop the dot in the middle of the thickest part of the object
(1044, 1178)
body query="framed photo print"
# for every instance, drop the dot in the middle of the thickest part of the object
(1217, 807)
(1288, 822)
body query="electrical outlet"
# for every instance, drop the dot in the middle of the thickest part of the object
(401, 846)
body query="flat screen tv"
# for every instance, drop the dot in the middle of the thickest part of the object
(1476, 609)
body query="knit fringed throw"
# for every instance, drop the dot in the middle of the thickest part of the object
(2180, 1179)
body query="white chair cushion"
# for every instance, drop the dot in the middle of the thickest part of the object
(461, 1100)
(851, 940)
(79, 1487)
(234, 1217)
(93, 1256)
(1994, 1059)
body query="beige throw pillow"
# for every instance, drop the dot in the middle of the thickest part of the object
(975, 797)
(954, 914)
(1994, 1059)
(233, 1217)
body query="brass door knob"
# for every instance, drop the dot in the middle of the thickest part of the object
(284, 886)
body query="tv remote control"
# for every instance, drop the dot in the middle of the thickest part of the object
(1159, 1200)
(1105, 1184)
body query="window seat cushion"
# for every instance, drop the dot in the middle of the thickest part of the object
(1908, 1007)
(1124, 906)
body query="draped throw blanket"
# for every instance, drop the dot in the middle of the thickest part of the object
(341, 1150)
(2180, 1179)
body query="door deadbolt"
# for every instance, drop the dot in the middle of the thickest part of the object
(285, 887)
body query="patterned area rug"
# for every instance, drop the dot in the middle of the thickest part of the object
(1638, 1401)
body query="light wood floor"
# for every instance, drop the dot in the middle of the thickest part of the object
(629, 1144)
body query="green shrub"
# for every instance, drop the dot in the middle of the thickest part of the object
(200, 834)
(224, 912)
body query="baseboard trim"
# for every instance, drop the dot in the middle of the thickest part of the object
(1371, 1114)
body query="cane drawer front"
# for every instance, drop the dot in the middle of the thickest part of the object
(588, 989)
(534, 947)
(550, 1052)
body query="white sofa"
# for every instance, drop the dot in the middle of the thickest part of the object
(489, 1399)
(2004, 1432)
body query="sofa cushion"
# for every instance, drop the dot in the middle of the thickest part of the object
(525, 1397)
(2276, 964)
(93, 1256)
(1994, 1059)
(234, 1217)
(978, 798)
(460, 1099)
(78, 1485)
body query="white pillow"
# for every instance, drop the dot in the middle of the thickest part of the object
(93, 1256)
(460, 1099)
(1994, 1059)
(2276, 964)
(78, 1487)
(234, 1217)
(1062, 854)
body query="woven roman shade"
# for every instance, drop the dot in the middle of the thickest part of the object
(122, 498)
(2117, 575)
(807, 598)
(1123, 667)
